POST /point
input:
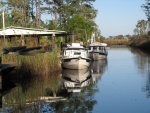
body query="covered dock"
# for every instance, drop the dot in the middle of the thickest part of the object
(22, 32)
(19, 31)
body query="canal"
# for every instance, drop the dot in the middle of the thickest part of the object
(119, 84)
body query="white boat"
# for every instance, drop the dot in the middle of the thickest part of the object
(76, 80)
(75, 56)
(98, 50)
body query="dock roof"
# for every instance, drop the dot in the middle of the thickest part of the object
(18, 31)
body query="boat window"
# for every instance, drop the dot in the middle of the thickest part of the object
(90, 48)
(77, 53)
(94, 48)
(101, 48)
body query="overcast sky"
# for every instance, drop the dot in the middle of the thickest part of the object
(118, 17)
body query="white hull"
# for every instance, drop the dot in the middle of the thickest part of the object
(76, 63)
(97, 56)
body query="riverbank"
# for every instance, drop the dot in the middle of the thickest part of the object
(140, 43)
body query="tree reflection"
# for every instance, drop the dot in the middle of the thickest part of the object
(77, 103)
(142, 60)
(147, 87)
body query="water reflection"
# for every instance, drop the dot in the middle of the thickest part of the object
(69, 91)
(142, 60)
(6, 86)
(97, 69)
(76, 80)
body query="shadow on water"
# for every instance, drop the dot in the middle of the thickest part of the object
(6, 86)
(66, 91)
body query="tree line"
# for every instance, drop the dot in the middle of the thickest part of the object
(143, 26)
(74, 16)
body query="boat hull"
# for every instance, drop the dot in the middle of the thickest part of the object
(97, 55)
(76, 63)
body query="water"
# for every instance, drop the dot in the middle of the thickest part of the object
(120, 84)
(123, 86)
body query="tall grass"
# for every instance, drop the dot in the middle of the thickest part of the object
(38, 65)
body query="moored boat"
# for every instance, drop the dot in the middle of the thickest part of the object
(98, 50)
(75, 56)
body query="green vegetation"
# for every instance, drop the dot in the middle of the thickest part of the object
(141, 38)
(40, 65)
(74, 16)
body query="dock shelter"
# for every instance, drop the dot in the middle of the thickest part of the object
(18, 31)
(12, 31)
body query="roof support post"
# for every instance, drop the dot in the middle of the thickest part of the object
(53, 40)
(22, 40)
(38, 38)
(72, 38)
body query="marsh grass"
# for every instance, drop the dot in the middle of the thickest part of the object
(37, 65)
(116, 41)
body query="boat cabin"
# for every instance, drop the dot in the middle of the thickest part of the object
(101, 49)
(75, 50)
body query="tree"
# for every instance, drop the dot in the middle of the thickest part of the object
(136, 31)
(141, 25)
(18, 10)
(146, 9)
(76, 16)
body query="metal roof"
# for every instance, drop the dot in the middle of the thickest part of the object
(18, 31)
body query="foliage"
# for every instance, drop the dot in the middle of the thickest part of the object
(140, 28)
(76, 16)
(80, 26)
(146, 8)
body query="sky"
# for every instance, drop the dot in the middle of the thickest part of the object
(118, 17)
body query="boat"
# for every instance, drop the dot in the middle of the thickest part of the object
(97, 50)
(75, 56)
(76, 80)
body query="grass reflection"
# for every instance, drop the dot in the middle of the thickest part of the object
(35, 76)
(26, 94)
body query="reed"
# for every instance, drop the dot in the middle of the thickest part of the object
(7, 58)
(116, 41)
(37, 65)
